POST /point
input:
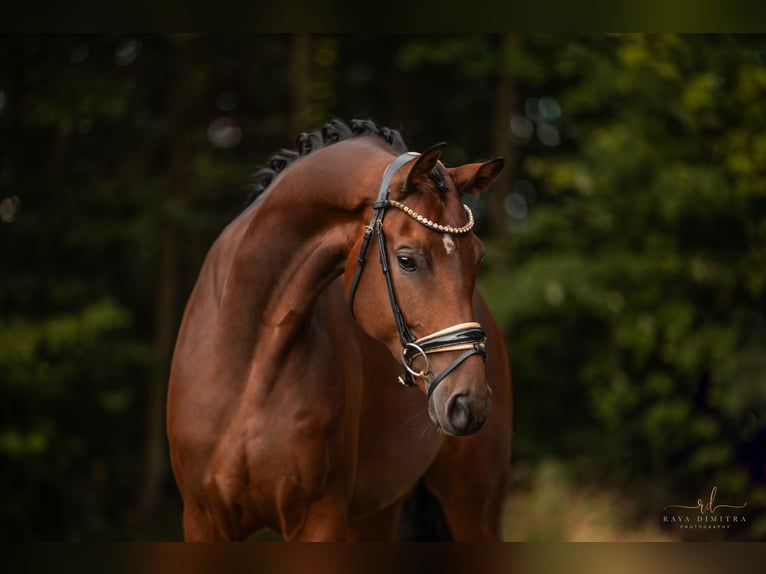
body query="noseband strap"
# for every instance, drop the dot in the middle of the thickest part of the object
(467, 337)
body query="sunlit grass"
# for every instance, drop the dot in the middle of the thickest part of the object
(545, 506)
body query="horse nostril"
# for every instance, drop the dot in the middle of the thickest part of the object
(460, 413)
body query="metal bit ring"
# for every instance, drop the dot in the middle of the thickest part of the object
(425, 372)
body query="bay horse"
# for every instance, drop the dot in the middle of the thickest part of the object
(284, 411)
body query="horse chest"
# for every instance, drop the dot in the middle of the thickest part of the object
(397, 444)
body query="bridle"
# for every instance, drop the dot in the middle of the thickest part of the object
(467, 337)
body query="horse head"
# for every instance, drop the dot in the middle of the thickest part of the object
(420, 305)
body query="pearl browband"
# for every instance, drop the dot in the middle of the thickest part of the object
(431, 224)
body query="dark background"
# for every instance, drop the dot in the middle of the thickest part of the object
(626, 261)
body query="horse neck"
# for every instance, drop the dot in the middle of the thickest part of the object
(295, 241)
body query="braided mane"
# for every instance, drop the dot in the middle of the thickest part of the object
(332, 132)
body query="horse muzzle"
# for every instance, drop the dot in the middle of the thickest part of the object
(467, 406)
(462, 405)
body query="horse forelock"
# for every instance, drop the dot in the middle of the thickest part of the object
(307, 142)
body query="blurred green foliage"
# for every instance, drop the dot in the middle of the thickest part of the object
(634, 294)
(630, 279)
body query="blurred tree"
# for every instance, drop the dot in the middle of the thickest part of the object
(123, 157)
(300, 82)
(626, 256)
(631, 281)
(505, 107)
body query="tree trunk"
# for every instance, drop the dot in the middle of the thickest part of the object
(184, 91)
(165, 323)
(300, 84)
(506, 103)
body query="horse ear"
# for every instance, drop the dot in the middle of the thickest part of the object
(426, 161)
(476, 177)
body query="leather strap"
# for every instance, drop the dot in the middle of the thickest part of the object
(405, 336)
(476, 350)
(378, 212)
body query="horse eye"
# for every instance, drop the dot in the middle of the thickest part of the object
(407, 263)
